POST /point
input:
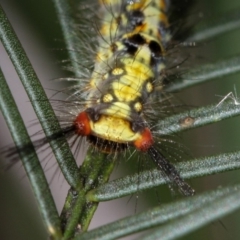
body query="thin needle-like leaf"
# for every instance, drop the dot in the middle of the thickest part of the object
(30, 160)
(152, 178)
(68, 25)
(219, 25)
(205, 73)
(198, 117)
(169, 213)
(39, 100)
(200, 216)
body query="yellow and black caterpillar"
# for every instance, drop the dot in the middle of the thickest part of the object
(128, 69)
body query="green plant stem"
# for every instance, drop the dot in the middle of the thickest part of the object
(39, 100)
(77, 210)
(204, 73)
(30, 160)
(152, 178)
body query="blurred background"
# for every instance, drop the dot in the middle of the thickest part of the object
(39, 32)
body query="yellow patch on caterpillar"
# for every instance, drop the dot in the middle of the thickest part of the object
(114, 129)
(135, 68)
(119, 110)
(125, 93)
(107, 98)
(117, 71)
(138, 107)
(149, 87)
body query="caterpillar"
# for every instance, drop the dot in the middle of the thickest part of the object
(104, 146)
(129, 65)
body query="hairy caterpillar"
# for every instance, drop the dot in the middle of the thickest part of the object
(129, 65)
